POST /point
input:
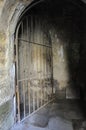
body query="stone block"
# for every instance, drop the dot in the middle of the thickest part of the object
(6, 116)
(17, 127)
(4, 94)
(72, 93)
(61, 94)
(57, 123)
(81, 129)
(37, 128)
(39, 120)
(84, 124)
(73, 115)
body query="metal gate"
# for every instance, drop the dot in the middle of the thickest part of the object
(34, 66)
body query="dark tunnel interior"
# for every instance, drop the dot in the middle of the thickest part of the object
(67, 20)
(72, 29)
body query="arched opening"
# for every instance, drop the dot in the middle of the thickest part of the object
(34, 65)
(47, 51)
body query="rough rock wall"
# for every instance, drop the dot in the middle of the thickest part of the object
(10, 10)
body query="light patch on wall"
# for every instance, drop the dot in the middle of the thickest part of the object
(84, 1)
(60, 64)
(2, 38)
(61, 53)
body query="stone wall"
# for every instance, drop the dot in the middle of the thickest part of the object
(64, 62)
(65, 57)
(10, 10)
(66, 38)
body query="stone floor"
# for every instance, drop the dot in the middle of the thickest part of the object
(58, 115)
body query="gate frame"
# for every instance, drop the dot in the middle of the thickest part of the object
(16, 75)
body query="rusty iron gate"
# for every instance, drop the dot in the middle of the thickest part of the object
(34, 66)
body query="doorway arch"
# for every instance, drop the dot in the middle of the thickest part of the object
(34, 64)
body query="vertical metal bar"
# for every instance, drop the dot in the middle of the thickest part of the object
(32, 59)
(26, 73)
(43, 70)
(45, 59)
(34, 83)
(33, 99)
(26, 89)
(18, 101)
(40, 73)
(52, 68)
(29, 95)
(45, 76)
(37, 76)
(30, 47)
(51, 71)
(28, 36)
(18, 98)
(47, 70)
(35, 96)
(43, 67)
(42, 76)
(42, 64)
(38, 58)
(24, 96)
(21, 69)
(22, 53)
(39, 61)
(24, 58)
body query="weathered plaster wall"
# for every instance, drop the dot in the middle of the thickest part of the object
(66, 38)
(60, 65)
(10, 10)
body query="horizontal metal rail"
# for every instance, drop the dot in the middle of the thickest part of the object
(32, 78)
(53, 98)
(34, 43)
